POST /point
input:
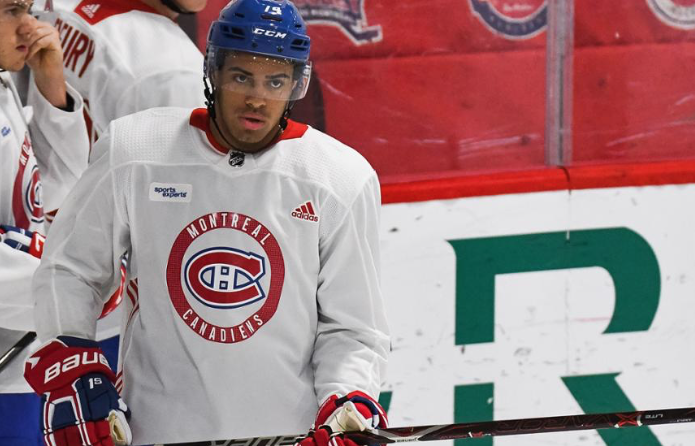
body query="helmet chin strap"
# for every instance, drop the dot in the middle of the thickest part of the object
(209, 91)
(171, 4)
(219, 130)
(286, 115)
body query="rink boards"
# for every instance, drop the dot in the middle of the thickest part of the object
(541, 304)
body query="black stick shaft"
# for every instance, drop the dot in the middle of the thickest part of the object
(16, 349)
(531, 426)
(486, 428)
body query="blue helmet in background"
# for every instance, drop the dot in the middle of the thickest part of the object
(273, 30)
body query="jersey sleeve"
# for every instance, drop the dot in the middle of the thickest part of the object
(80, 265)
(352, 341)
(61, 145)
(176, 88)
(16, 302)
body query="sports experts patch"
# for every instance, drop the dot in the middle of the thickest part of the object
(177, 193)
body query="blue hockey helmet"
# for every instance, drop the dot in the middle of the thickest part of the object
(270, 30)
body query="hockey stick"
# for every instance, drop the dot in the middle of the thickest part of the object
(27, 339)
(485, 428)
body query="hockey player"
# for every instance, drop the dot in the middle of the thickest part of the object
(125, 56)
(44, 150)
(253, 239)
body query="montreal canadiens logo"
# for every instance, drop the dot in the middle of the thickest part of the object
(347, 15)
(33, 197)
(676, 13)
(512, 19)
(225, 279)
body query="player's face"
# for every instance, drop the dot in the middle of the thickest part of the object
(251, 99)
(15, 29)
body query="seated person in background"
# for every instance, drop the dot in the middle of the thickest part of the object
(125, 56)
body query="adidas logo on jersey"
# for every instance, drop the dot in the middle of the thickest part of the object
(6, 131)
(306, 212)
(90, 10)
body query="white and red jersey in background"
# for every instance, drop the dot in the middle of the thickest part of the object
(124, 57)
(44, 151)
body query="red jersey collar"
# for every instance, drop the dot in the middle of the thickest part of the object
(200, 119)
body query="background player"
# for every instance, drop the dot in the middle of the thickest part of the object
(254, 242)
(44, 150)
(125, 56)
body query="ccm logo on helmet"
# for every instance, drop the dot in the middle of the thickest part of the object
(72, 362)
(269, 33)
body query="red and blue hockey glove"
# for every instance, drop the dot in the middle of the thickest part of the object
(23, 240)
(355, 411)
(80, 403)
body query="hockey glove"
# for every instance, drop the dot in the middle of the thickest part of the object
(80, 403)
(23, 240)
(324, 436)
(356, 411)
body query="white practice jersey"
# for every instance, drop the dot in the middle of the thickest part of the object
(257, 292)
(44, 151)
(124, 57)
